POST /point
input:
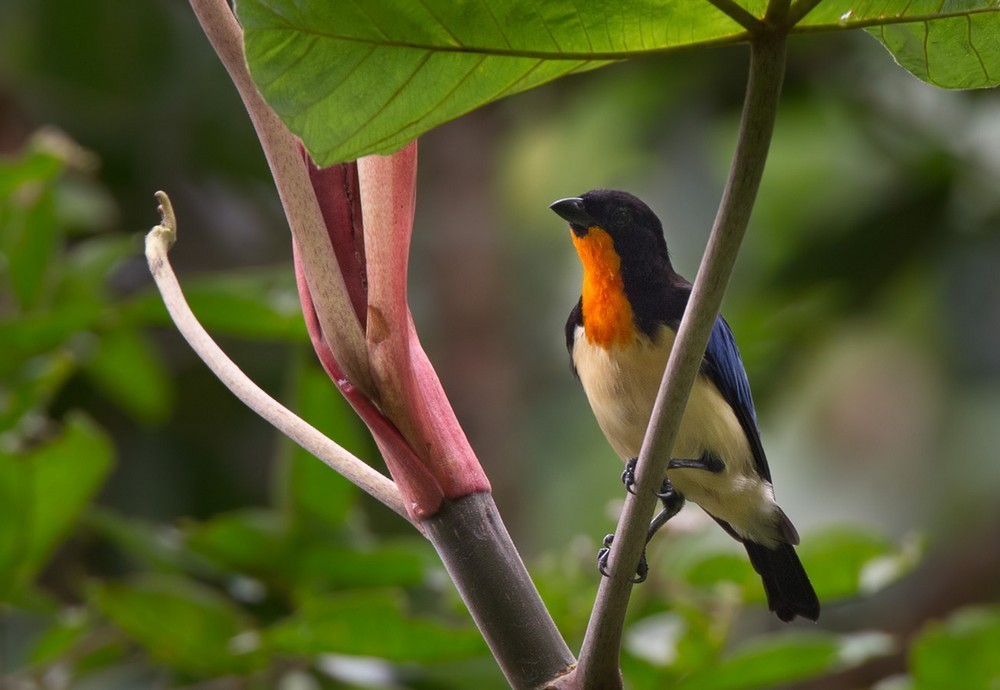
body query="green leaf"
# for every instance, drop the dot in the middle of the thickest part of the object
(71, 627)
(328, 566)
(960, 652)
(41, 331)
(127, 369)
(29, 240)
(353, 78)
(42, 492)
(311, 491)
(256, 542)
(784, 658)
(371, 624)
(843, 562)
(960, 52)
(253, 541)
(183, 624)
(253, 304)
(32, 384)
(158, 548)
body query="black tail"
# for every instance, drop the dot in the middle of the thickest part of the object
(789, 592)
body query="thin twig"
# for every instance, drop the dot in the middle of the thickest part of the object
(738, 14)
(340, 326)
(158, 243)
(599, 657)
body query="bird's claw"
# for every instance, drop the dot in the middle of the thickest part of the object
(666, 491)
(641, 571)
(628, 476)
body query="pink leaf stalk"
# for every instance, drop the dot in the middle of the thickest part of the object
(411, 393)
(416, 484)
(339, 196)
(368, 208)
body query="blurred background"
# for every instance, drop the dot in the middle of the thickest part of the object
(865, 301)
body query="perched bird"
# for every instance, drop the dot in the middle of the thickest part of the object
(619, 336)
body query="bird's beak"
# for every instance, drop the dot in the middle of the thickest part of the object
(572, 211)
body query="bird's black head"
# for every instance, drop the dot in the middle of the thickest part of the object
(633, 228)
(628, 282)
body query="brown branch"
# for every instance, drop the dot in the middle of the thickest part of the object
(599, 658)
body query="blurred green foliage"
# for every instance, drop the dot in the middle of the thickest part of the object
(152, 535)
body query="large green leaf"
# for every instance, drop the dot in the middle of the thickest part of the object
(182, 623)
(960, 652)
(42, 492)
(371, 624)
(311, 492)
(785, 658)
(127, 369)
(954, 44)
(353, 78)
(960, 52)
(259, 303)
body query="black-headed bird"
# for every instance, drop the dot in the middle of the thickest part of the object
(619, 336)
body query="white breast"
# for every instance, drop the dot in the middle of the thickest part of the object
(621, 384)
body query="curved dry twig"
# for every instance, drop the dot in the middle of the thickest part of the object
(158, 243)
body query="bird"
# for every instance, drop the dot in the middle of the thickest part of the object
(619, 336)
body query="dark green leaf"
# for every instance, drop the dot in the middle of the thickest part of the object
(253, 304)
(183, 624)
(39, 332)
(158, 548)
(30, 237)
(331, 566)
(253, 541)
(32, 384)
(311, 490)
(371, 624)
(42, 492)
(959, 653)
(772, 662)
(71, 627)
(125, 367)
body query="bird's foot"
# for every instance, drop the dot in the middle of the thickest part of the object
(707, 462)
(666, 492)
(641, 571)
(628, 476)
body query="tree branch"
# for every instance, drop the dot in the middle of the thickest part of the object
(340, 326)
(599, 658)
(158, 243)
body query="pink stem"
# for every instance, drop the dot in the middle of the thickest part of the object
(416, 484)
(411, 393)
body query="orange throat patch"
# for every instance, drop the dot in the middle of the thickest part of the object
(607, 314)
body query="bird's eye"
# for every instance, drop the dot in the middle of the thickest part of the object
(620, 217)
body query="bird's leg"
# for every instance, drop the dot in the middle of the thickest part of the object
(672, 501)
(628, 476)
(708, 462)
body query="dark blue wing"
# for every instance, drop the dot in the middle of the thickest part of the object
(724, 368)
